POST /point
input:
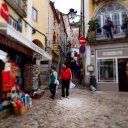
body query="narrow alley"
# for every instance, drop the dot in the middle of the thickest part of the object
(84, 109)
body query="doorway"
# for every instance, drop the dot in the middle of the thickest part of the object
(123, 78)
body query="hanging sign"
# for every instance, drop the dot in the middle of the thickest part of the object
(4, 11)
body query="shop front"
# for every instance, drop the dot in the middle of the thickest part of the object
(111, 66)
(13, 60)
(18, 68)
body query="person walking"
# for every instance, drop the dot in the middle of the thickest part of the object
(66, 77)
(53, 82)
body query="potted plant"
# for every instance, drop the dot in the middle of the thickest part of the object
(125, 25)
(93, 27)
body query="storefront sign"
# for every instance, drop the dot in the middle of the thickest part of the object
(120, 52)
(14, 45)
(4, 11)
(113, 53)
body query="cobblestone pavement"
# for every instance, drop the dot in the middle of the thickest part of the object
(83, 109)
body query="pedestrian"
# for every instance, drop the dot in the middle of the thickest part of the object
(66, 77)
(53, 82)
(108, 27)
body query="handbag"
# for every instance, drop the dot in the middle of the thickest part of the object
(57, 82)
(72, 85)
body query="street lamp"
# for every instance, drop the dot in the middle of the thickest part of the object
(72, 14)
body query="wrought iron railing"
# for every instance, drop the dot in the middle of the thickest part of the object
(21, 4)
(118, 32)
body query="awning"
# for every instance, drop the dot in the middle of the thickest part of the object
(12, 33)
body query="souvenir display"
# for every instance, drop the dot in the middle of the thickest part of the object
(21, 103)
(31, 78)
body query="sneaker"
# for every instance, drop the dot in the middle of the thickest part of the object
(67, 97)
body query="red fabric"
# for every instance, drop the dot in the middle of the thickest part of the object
(5, 77)
(7, 81)
(66, 74)
(115, 31)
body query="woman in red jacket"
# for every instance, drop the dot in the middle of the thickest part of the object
(66, 76)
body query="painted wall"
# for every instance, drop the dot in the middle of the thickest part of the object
(53, 26)
(42, 22)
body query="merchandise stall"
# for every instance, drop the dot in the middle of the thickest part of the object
(12, 83)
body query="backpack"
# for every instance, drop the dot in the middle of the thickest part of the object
(52, 78)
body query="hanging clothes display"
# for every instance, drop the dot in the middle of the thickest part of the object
(35, 77)
(31, 78)
(28, 78)
(9, 76)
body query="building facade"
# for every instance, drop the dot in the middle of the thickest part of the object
(108, 57)
(74, 39)
(18, 42)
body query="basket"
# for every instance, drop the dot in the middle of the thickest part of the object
(21, 111)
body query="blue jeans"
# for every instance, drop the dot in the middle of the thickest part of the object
(109, 34)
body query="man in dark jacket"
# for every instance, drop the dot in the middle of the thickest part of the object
(108, 27)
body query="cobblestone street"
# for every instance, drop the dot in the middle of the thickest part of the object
(84, 109)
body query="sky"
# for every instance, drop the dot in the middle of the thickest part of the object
(65, 5)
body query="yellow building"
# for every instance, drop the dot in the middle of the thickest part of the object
(40, 21)
(107, 49)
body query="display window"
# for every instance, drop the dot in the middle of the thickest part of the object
(106, 70)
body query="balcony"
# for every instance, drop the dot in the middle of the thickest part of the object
(118, 33)
(19, 6)
(98, 1)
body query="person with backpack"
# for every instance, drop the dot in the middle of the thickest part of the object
(66, 77)
(53, 82)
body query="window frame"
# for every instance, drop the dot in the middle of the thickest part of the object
(102, 15)
(115, 78)
(13, 20)
(34, 14)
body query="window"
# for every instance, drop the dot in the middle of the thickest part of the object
(13, 22)
(116, 12)
(106, 70)
(34, 14)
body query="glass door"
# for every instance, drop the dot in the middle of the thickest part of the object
(116, 23)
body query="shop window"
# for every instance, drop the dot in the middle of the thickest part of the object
(106, 70)
(34, 14)
(13, 22)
